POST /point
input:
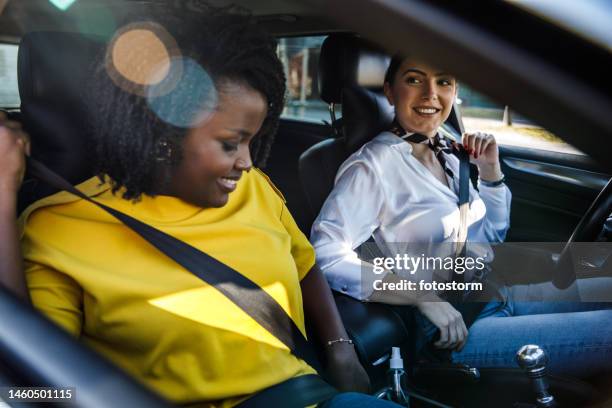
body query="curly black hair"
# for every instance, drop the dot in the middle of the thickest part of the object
(127, 133)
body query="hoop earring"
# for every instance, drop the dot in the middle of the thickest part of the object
(163, 151)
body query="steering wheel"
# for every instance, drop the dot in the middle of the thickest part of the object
(587, 230)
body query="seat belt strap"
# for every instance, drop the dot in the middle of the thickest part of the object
(245, 293)
(464, 200)
(296, 392)
(469, 310)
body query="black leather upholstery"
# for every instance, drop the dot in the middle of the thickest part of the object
(52, 70)
(345, 61)
(343, 75)
(318, 166)
(365, 114)
(351, 72)
(374, 327)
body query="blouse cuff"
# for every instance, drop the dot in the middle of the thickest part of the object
(354, 280)
(497, 194)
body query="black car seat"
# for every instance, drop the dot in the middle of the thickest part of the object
(52, 82)
(348, 65)
(339, 69)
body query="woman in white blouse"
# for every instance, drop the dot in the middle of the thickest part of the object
(402, 187)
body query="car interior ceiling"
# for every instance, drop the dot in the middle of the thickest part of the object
(279, 17)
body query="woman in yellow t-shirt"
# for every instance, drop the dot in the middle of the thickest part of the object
(178, 152)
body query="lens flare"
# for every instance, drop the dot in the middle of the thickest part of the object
(141, 57)
(193, 98)
(144, 59)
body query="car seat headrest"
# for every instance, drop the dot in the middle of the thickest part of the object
(347, 60)
(54, 69)
(365, 114)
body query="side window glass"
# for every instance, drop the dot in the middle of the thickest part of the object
(300, 58)
(9, 91)
(481, 114)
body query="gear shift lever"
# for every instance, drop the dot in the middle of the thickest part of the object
(533, 359)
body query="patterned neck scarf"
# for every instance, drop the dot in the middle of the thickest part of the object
(437, 144)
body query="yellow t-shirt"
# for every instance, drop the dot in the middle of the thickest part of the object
(105, 284)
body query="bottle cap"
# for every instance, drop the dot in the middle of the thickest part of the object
(396, 362)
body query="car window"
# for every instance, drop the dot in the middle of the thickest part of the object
(481, 114)
(9, 92)
(300, 57)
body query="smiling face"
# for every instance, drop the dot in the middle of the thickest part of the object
(217, 152)
(423, 96)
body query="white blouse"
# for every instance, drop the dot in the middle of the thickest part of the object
(383, 191)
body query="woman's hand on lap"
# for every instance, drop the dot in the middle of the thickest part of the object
(344, 369)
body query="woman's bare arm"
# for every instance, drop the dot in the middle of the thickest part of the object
(343, 366)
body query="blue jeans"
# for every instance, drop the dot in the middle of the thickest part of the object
(356, 400)
(576, 334)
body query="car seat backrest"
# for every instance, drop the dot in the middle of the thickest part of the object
(53, 71)
(351, 73)
(366, 114)
(347, 60)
